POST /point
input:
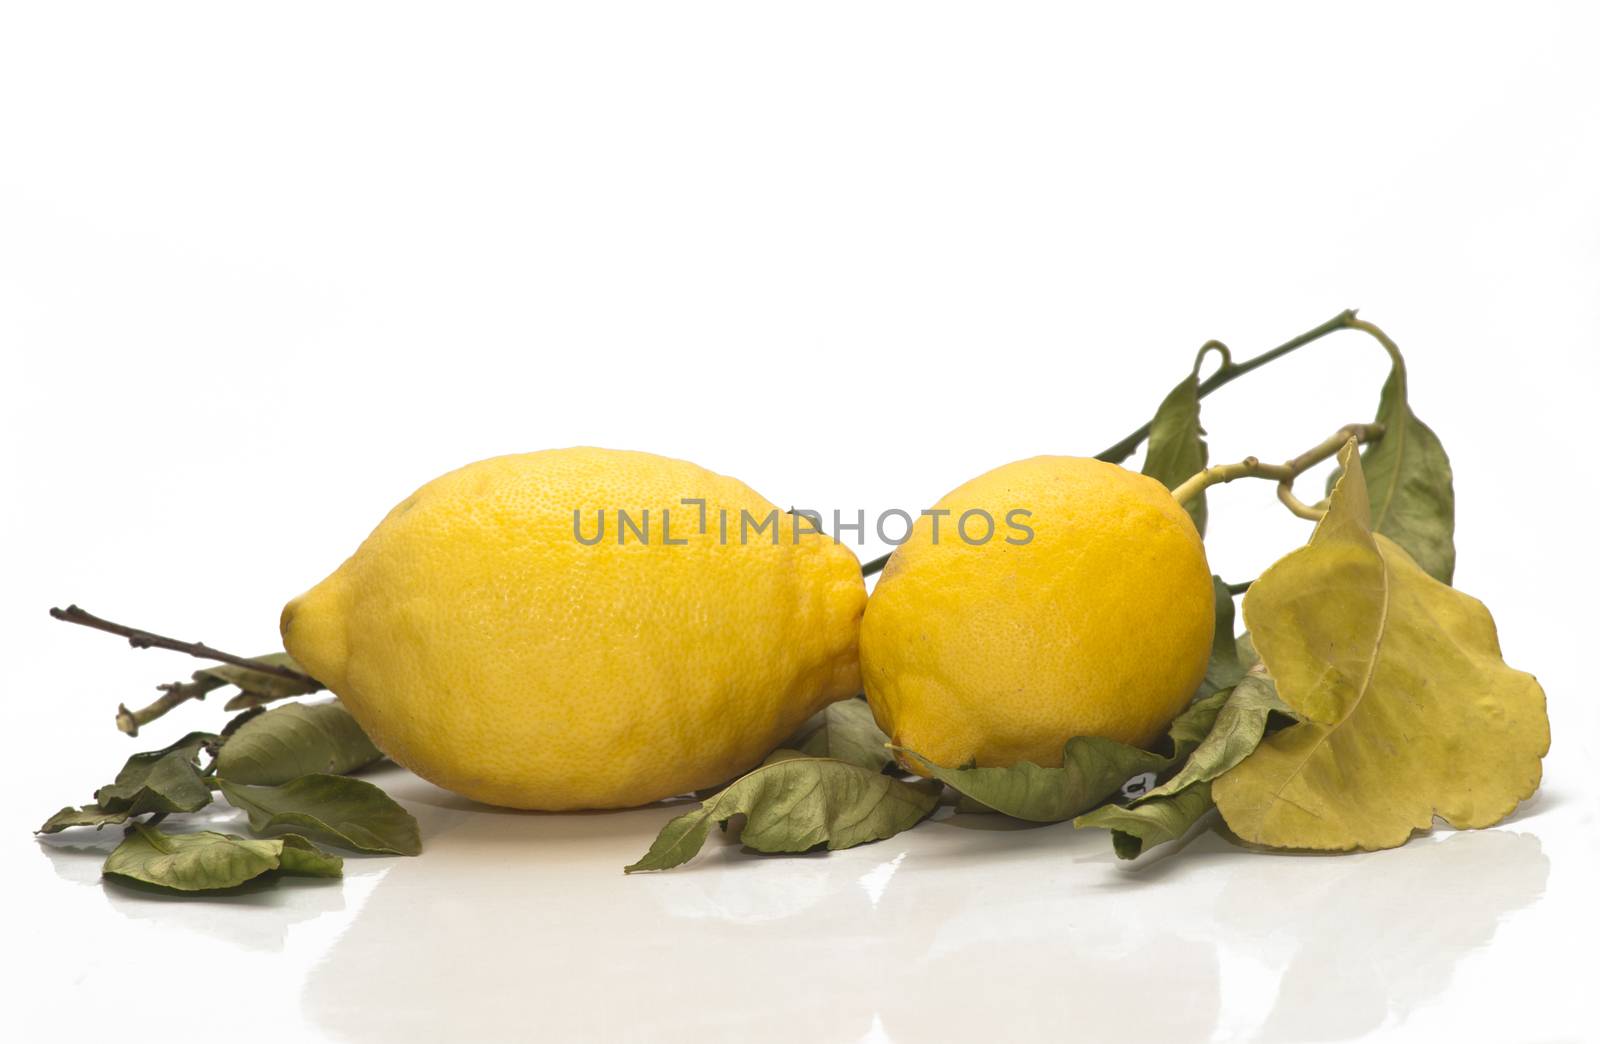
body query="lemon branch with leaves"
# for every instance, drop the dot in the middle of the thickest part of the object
(286, 769)
(1276, 738)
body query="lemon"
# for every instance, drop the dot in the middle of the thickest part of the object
(482, 644)
(998, 650)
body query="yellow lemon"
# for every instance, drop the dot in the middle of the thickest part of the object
(561, 630)
(1087, 612)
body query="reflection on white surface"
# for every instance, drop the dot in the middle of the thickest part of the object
(970, 926)
(876, 1033)
(876, 880)
(515, 923)
(256, 917)
(1342, 975)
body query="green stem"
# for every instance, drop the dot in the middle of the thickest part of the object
(876, 565)
(1371, 330)
(1228, 371)
(1232, 371)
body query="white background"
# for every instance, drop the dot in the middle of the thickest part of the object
(264, 271)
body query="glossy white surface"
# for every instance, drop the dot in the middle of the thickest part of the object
(513, 923)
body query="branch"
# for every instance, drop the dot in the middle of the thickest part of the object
(1285, 474)
(1228, 371)
(172, 694)
(1231, 371)
(148, 640)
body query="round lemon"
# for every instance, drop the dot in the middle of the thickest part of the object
(486, 640)
(1087, 612)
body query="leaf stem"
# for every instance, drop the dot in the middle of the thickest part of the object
(1231, 371)
(1371, 330)
(1228, 371)
(1285, 473)
(149, 640)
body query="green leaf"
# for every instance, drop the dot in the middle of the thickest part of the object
(1138, 828)
(295, 740)
(207, 861)
(138, 769)
(1194, 724)
(1409, 481)
(165, 780)
(170, 784)
(1225, 668)
(846, 731)
(1166, 812)
(1093, 770)
(351, 813)
(238, 721)
(1177, 451)
(1248, 657)
(191, 862)
(257, 687)
(795, 805)
(1239, 727)
(1409, 711)
(88, 815)
(1413, 499)
(304, 859)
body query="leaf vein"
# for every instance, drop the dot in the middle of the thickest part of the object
(1361, 694)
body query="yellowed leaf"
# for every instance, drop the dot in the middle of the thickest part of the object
(1409, 710)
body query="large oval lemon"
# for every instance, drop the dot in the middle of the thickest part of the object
(482, 644)
(997, 651)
